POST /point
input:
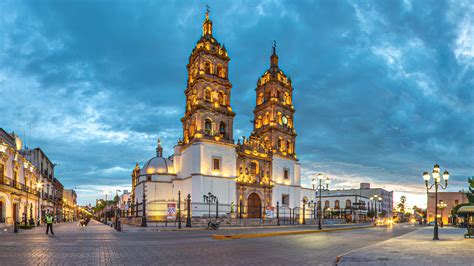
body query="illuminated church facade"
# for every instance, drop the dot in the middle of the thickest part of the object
(257, 171)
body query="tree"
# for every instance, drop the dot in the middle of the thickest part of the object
(401, 205)
(470, 194)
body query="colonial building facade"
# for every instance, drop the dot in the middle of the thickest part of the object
(28, 188)
(18, 179)
(255, 172)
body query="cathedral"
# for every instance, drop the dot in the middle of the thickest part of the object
(254, 172)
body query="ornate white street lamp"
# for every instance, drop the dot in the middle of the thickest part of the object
(437, 184)
(318, 184)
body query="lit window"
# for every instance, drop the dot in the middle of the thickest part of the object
(286, 173)
(216, 164)
(285, 199)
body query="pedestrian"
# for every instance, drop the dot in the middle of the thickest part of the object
(49, 223)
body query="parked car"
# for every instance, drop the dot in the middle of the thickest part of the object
(432, 223)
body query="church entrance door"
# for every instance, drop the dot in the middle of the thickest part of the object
(254, 206)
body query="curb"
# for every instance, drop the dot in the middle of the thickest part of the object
(301, 232)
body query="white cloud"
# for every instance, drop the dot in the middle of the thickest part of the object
(464, 44)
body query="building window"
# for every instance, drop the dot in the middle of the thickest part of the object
(216, 163)
(336, 204)
(253, 168)
(285, 199)
(348, 204)
(286, 173)
(2, 171)
(208, 127)
(222, 129)
(326, 204)
(456, 202)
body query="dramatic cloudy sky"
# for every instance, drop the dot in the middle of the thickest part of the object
(383, 89)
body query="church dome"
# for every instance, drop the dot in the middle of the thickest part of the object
(158, 164)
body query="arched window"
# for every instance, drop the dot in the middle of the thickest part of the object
(288, 148)
(278, 95)
(279, 144)
(222, 129)
(326, 204)
(260, 99)
(207, 94)
(267, 96)
(267, 142)
(279, 116)
(221, 98)
(253, 168)
(348, 204)
(224, 100)
(266, 118)
(287, 98)
(207, 67)
(336, 204)
(259, 122)
(208, 127)
(220, 71)
(241, 170)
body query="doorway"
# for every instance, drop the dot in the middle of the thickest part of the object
(254, 206)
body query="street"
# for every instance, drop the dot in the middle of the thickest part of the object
(99, 244)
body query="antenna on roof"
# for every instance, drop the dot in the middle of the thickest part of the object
(29, 138)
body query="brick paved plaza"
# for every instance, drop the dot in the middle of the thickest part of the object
(98, 244)
(417, 248)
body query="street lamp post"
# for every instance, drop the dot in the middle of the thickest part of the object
(38, 186)
(376, 199)
(312, 206)
(318, 184)
(437, 184)
(116, 208)
(441, 207)
(210, 199)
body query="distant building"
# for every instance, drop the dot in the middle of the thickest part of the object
(69, 204)
(365, 192)
(451, 199)
(351, 207)
(125, 200)
(51, 190)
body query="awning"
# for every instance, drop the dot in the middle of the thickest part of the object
(466, 209)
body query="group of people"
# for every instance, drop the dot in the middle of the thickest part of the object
(84, 221)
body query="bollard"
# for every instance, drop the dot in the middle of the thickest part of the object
(278, 213)
(15, 227)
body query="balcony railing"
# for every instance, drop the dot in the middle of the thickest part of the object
(6, 181)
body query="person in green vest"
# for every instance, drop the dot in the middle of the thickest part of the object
(49, 223)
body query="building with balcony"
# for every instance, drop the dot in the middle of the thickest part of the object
(19, 193)
(51, 189)
(384, 205)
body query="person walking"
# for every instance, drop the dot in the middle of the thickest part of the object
(49, 223)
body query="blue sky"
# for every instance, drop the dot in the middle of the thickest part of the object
(383, 89)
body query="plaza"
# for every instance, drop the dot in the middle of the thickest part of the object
(98, 244)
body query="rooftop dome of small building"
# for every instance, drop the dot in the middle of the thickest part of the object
(158, 164)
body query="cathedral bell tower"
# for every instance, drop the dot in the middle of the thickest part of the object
(208, 112)
(274, 110)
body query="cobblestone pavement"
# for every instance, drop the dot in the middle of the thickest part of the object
(98, 244)
(417, 248)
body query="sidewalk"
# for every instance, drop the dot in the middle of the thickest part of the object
(416, 248)
(239, 230)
